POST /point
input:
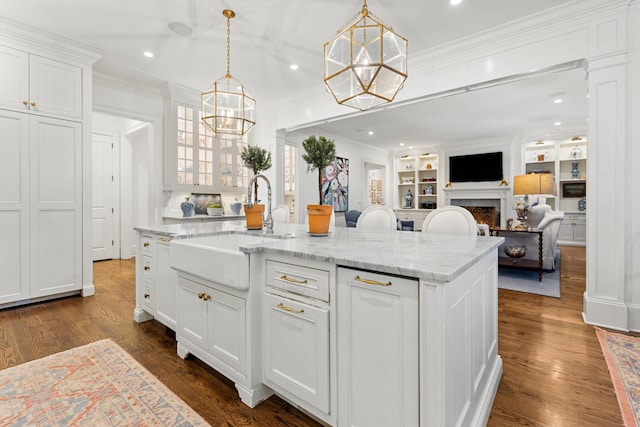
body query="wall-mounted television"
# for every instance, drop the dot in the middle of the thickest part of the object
(476, 167)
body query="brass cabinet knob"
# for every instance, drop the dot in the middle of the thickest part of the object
(200, 295)
(25, 102)
(146, 296)
(146, 244)
(205, 297)
(33, 104)
(146, 267)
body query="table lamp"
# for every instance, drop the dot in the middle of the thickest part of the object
(539, 184)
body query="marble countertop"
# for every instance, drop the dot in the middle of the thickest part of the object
(205, 217)
(433, 257)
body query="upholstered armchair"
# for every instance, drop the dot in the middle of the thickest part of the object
(549, 221)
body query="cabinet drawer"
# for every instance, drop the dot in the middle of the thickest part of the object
(301, 280)
(147, 271)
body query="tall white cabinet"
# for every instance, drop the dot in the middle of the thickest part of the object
(45, 102)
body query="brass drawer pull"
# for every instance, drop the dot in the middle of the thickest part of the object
(200, 295)
(33, 104)
(371, 282)
(146, 244)
(289, 279)
(146, 296)
(25, 102)
(146, 267)
(206, 297)
(289, 309)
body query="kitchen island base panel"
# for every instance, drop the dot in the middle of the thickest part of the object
(254, 396)
(140, 315)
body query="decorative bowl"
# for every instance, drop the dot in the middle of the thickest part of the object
(215, 211)
(515, 251)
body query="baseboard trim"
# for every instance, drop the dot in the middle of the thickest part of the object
(605, 313)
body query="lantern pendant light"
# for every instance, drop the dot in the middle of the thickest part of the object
(227, 108)
(365, 65)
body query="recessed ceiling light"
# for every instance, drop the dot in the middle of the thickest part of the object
(148, 54)
(180, 29)
(293, 66)
(402, 144)
(455, 2)
(370, 132)
(557, 123)
(557, 101)
(410, 147)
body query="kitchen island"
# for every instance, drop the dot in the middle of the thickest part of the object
(356, 328)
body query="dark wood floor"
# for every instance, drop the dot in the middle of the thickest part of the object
(554, 371)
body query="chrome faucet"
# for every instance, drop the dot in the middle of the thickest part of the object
(254, 181)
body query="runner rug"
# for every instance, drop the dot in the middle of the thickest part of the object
(622, 353)
(93, 385)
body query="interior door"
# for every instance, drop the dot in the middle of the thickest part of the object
(102, 203)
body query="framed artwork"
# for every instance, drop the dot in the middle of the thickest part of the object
(574, 189)
(335, 185)
(203, 200)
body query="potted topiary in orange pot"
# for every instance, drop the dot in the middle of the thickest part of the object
(257, 159)
(319, 153)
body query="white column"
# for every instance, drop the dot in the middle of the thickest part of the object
(607, 227)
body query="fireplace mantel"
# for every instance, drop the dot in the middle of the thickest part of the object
(499, 193)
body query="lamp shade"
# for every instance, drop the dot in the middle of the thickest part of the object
(534, 183)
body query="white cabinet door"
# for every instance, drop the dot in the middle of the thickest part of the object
(14, 79)
(227, 330)
(166, 281)
(296, 349)
(378, 368)
(192, 313)
(33, 83)
(56, 206)
(14, 206)
(55, 87)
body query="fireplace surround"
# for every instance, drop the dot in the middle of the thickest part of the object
(481, 197)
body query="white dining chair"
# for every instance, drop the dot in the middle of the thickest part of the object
(377, 217)
(280, 214)
(450, 220)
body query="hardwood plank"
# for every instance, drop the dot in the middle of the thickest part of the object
(554, 371)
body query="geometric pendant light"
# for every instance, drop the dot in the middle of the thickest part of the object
(365, 65)
(227, 108)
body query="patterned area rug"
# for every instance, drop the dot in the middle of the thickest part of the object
(98, 384)
(622, 353)
(527, 281)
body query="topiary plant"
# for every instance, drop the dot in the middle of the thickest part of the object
(257, 159)
(320, 153)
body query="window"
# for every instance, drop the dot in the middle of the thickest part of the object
(204, 159)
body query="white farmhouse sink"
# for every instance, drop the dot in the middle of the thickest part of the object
(215, 258)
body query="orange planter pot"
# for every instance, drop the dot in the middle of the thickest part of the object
(319, 218)
(254, 216)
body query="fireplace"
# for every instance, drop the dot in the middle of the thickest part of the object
(488, 205)
(484, 214)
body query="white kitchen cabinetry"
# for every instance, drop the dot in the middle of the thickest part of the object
(221, 326)
(573, 230)
(196, 160)
(296, 334)
(44, 167)
(378, 338)
(41, 200)
(156, 281)
(212, 326)
(40, 85)
(14, 206)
